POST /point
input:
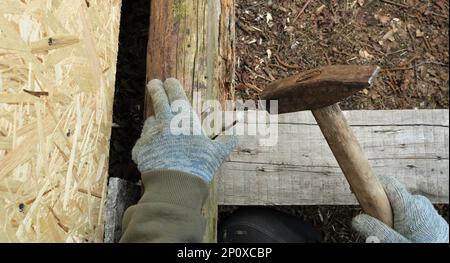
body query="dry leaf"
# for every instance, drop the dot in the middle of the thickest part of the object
(390, 35)
(373, 94)
(360, 2)
(382, 19)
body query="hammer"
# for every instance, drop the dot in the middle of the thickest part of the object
(319, 90)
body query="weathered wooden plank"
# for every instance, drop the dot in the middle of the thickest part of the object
(193, 42)
(411, 145)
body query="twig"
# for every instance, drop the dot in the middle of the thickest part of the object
(412, 38)
(268, 73)
(439, 15)
(411, 60)
(390, 81)
(390, 84)
(341, 52)
(254, 87)
(417, 65)
(278, 66)
(327, 58)
(264, 78)
(395, 52)
(397, 4)
(435, 63)
(397, 69)
(285, 64)
(302, 10)
(243, 27)
(427, 44)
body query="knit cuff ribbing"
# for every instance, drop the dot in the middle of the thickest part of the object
(174, 187)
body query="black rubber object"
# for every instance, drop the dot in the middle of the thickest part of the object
(265, 225)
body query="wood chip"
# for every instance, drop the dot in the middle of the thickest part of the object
(383, 19)
(366, 55)
(419, 33)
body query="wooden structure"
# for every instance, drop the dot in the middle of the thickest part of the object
(57, 76)
(57, 73)
(193, 42)
(410, 145)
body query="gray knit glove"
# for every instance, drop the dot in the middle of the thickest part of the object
(159, 148)
(415, 219)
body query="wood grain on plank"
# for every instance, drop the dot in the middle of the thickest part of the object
(411, 145)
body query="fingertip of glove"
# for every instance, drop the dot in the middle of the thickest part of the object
(367, 225)
(172, 81)
(153, 83)
(359, 221)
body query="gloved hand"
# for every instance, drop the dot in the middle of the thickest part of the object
(158, 148)
(415, 219)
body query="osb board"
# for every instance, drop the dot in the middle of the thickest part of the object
(57, 74)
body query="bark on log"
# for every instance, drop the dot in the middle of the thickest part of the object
(193, 41)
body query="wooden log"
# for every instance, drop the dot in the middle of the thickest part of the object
(410, 145)
(193, 42)
(57, 79)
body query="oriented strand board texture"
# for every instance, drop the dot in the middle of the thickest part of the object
(411, 145)
(57, 75)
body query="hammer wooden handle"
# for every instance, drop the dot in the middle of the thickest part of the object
(364, 184)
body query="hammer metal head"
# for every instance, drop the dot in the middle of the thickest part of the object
(319, 87)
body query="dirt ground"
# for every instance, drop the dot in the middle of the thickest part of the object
(408, 39)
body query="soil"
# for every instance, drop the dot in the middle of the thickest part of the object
(407, 39)
(413, 54)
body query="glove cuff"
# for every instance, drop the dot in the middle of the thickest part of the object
(174, 187)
